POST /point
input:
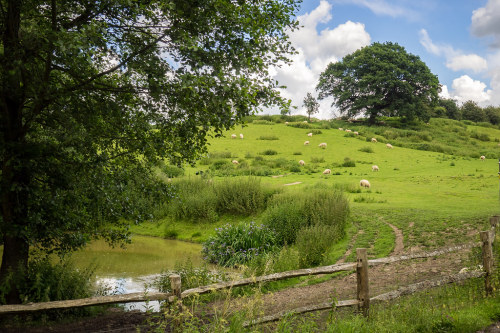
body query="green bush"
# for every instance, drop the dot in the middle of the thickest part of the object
(172, 171)
(242, 196)
(191, 276)
(316, 132)
(237, 244)
(366, 149)
(315, 159)
(286, 259)
(268, 137)
(45, 281)
(313, 243)
(196, 200)
(287, 213)
(269, 152)
(348, 163)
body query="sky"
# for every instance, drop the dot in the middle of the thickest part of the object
(459, 40)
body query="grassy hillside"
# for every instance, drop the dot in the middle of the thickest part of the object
(432, 184)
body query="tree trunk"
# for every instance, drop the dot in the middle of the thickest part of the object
(14, 262)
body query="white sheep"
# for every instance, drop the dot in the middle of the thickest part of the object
(348, 131)
(483, 158)
(301, 162)
(356, 133)
(374, 167)
(233, 136)
(364, 183)
(341, 129)
(286, 122)
(305, 121)
(309, 134)
(241, 136)
(322, 145)
(306, 143)
(374, 140)
(235, 162)
(388, 145)
(327, 172)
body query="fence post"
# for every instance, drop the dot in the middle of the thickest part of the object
(486, 239)
(175, 285)
(363, 294)
(494, 220)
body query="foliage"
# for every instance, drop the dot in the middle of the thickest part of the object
(473, 112)
(286, 259)
(366, 150)
(312, 106)
(96, 91)
(380, 80)
(191, 276)
(45, 281)
(172, 171)
(268, 137)
(236, 244)
(287, 213)
(312, 243)
(451, 107)
(269, 152)
(195, 201)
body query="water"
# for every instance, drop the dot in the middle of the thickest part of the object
(127, 270)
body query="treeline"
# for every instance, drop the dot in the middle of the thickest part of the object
(470, 110)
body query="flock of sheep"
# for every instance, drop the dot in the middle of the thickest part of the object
(363, 183)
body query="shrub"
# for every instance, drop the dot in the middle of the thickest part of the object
(287, 213)
(243, 196)
(316, 132)
(262, 122)
(301, 125)
(366, 149)
(348, 163)
(312, 244)
(195, 201)
(315, 159)
(268, 137)
(191, 276)
(297, 153)
(172, 171)
(238, 244)
(286, 259)
(269, 152)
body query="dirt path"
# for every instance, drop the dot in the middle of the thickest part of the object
(399, 244)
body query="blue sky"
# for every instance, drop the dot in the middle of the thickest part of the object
(459, 40)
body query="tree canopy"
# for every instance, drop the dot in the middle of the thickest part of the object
(93, 93)
(380, 80)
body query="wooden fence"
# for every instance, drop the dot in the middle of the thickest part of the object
(361, 266)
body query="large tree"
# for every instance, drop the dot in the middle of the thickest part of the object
(380, 80)
(93, 92)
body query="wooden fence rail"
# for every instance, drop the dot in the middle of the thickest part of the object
(361, 266)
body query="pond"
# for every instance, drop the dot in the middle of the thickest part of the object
(127, 270)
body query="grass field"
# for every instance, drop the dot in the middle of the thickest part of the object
(434, 198)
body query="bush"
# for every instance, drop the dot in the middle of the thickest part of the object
(287, 213)
(286, 259)
(45, 281)
(269, 152)
(195, 201)
(366, 149)
(316, 132)
(191, 277)
(312, 244)
(242, 196)
(315, 159)
(172, 171)
(238, 244)
(348, 163)
(268, 137)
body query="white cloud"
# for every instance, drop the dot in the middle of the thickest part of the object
(486, 21)
(465, 88)
(315, 51)
(467, 62)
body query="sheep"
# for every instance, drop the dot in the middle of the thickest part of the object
(341, 129)
(364, 183)
(374, 140)
(355, 133)
(286, 122)
(309, 134)
(322, 145)
(233, 136)
(483, 158)
(327, 172)
(305, 121)
(241, 136)
(306, 143)
(348, 131)
(388, 145)
(471, 269)
(302, 162)
(235, 162)
(374, 167)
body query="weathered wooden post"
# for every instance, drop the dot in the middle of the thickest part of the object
(362, 279)
(175, 285)
(486, 239)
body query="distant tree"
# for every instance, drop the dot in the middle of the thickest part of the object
(471, 111)
(452, 109)
(381, 80)
(493, 114)
(94, 93)
(312, 106)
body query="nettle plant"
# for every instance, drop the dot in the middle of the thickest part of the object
(237, 244)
